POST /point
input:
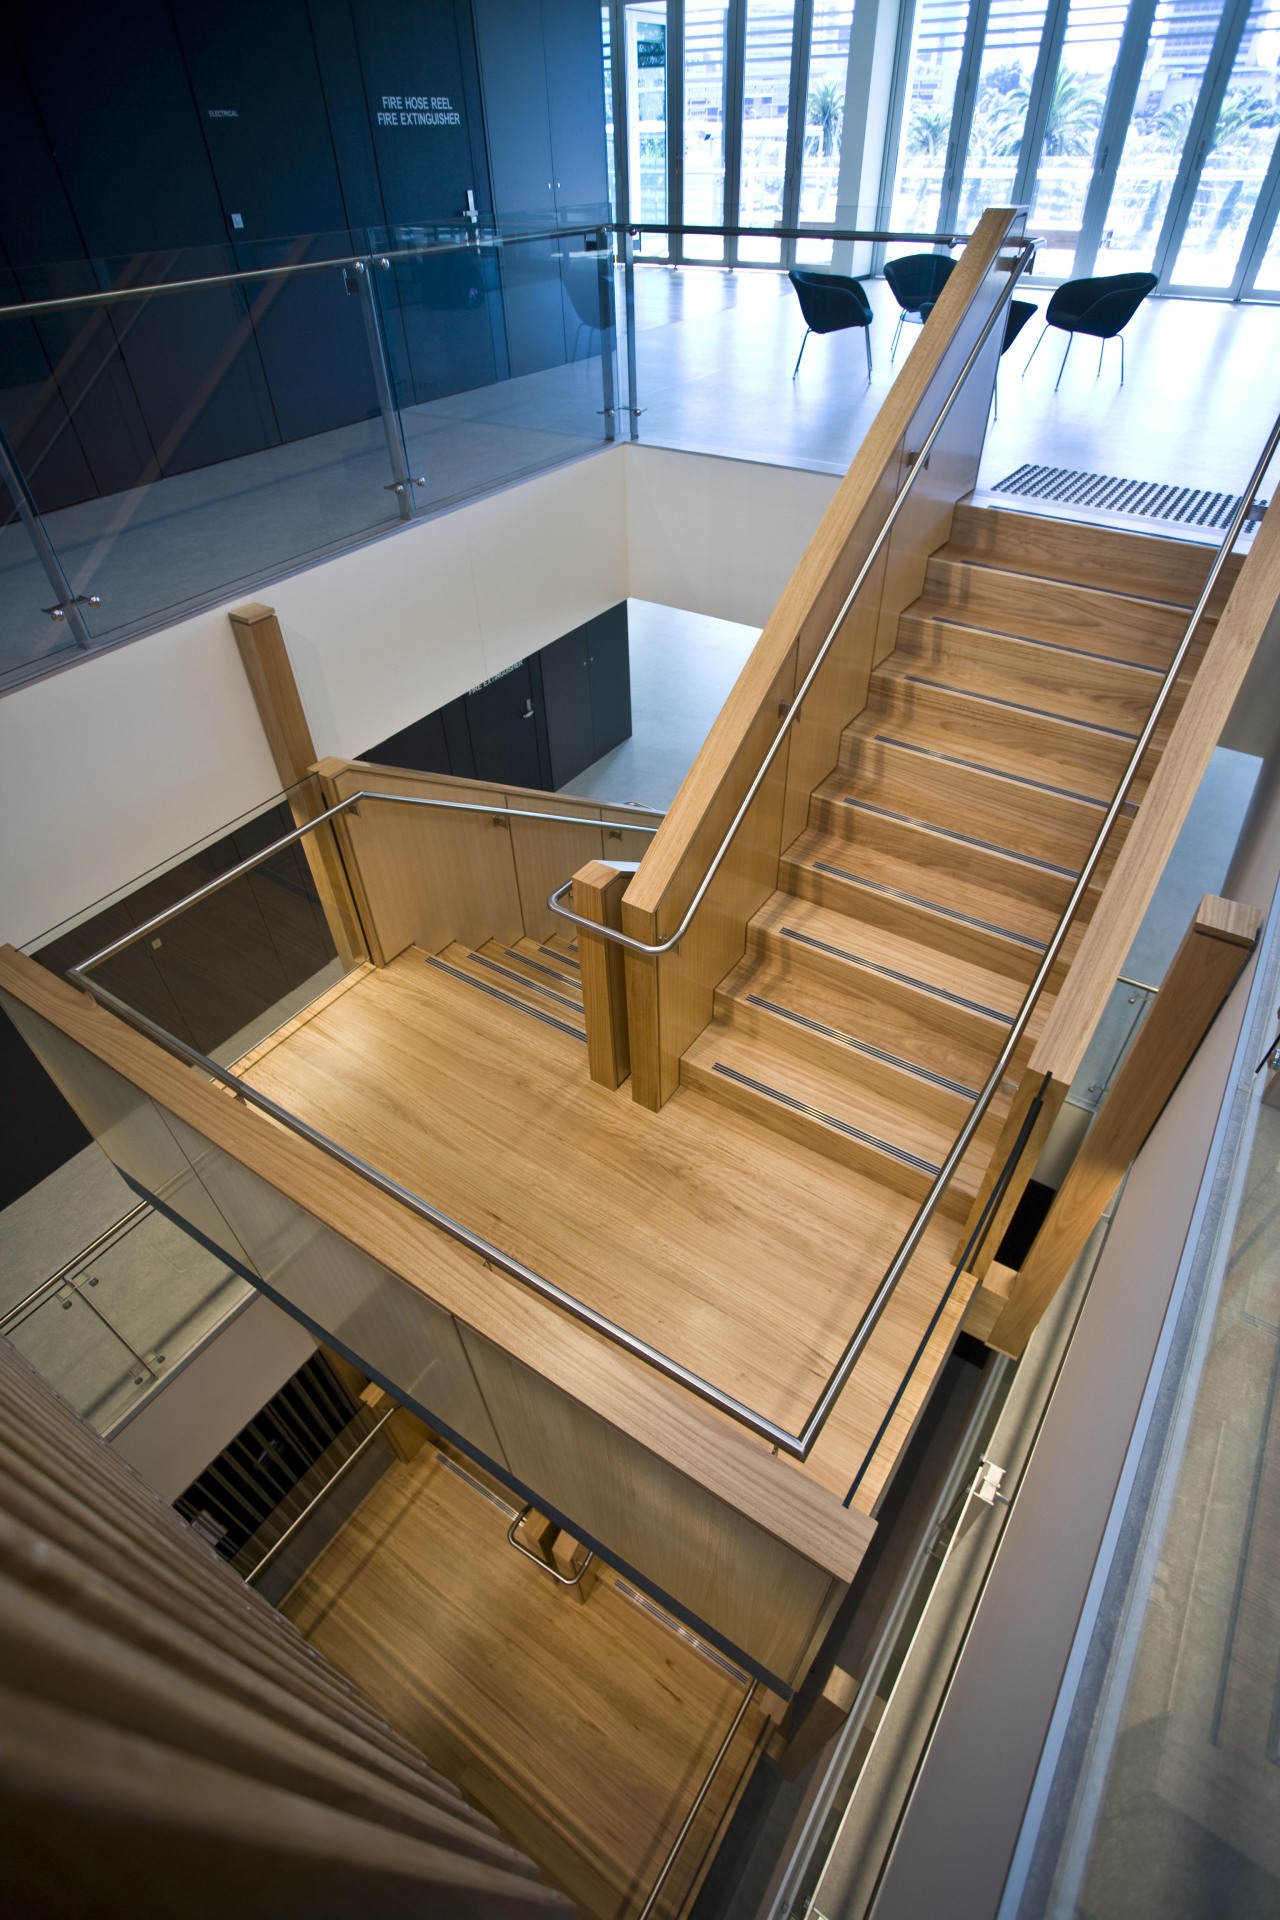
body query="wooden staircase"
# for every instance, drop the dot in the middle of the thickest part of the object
(538, 977)
(880, 979)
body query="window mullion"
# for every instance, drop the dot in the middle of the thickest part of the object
(734, 84)
(675, 128)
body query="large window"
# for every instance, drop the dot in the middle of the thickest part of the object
(766, 103)
(933, 77)
(1238, 158)
(1142, 135)
(705, 50)
(1177, 59)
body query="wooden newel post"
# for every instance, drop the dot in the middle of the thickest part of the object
(1201, 974)
(597, 895)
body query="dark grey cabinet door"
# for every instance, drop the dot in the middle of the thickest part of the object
(508, 729)
(609, 661)
(566, 683)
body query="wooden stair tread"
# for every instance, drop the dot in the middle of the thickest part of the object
(1070, 681)
(921, 1029)
(489, 970)
(1110, 558)
(1121, 626)
(985, 803)
(944, 864)
(901, 1139)
(788, 922)
(1060, 755)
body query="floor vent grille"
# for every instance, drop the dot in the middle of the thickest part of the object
(1147, 499)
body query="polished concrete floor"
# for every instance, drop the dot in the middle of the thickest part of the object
(714, 358)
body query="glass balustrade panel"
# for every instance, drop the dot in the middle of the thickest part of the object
(73, 1346)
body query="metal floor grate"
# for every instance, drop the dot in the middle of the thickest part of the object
(1148, 499)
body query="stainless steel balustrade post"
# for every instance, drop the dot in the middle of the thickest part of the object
(608, 333)
(629, 299)
(403, 481)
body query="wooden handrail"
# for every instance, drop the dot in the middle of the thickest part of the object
(670, 998)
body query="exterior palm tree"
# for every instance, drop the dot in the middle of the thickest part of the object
(1075, 108)
(928, 130)
(825, 110)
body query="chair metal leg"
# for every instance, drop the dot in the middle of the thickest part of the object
(800, 356)
(1102, 347)
(1035, 350)
(995, 392)
(893, 351)
(866, 334)
(1121, 359)
(1058, 382)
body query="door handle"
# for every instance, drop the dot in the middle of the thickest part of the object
(528, 708)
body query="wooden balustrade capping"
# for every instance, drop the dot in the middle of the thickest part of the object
(670, 998)
(1213, 954)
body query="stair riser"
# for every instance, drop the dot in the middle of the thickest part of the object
(1035, 897)
(946, 935)
(1065, 682)
(1097, 622)
(1050, 751)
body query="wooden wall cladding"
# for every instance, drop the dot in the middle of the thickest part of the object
(426, 877)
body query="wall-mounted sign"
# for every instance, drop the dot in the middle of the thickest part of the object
(224, 113)
(417, 110)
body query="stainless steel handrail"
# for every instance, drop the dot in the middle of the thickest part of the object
(875, 235)
(489, 237)
(352, 801)
(104, 1239)
(665, 1870)
(114, 296)
(545, 1566)
(653, 948)
(274, 1551)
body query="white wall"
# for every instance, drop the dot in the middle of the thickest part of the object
(122, 761)
(718, 536)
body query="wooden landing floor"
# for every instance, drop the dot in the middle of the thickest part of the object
(742, 1254)
(584, 1730)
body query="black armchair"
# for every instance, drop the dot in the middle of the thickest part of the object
(829, 303)
(915, 281)
(1100, 307)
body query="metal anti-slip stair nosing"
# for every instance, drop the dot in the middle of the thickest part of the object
(892, 973)
(944, 618)
(1015, 706)
(550, 972)
(979, 766)
(966, 839)
(931, 906)
(534, 986)
(507, 999)
(563, 958)
(862, 1046)
(908, 1158)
